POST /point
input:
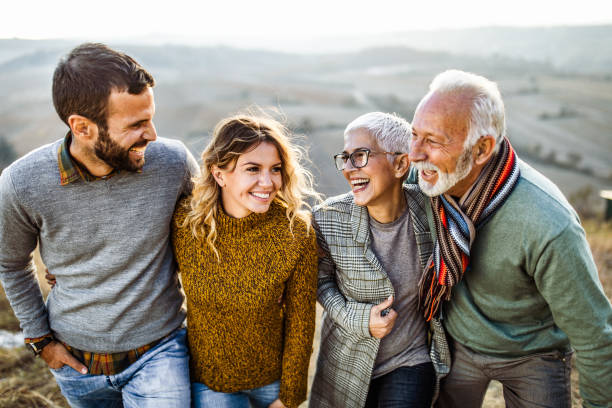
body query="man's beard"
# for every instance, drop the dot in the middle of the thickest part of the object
(114, 155)
(445, 181)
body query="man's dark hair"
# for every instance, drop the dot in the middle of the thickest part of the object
(84, 79)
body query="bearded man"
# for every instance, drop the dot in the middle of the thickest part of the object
(510, 259)
(111, 328)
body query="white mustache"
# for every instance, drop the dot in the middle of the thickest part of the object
(423, 165)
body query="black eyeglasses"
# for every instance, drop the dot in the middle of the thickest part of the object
(359, 158)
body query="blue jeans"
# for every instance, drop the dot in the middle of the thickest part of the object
(403, 387)
(204, 397)
(535, 380)
(159, 378)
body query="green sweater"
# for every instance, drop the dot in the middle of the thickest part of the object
(240, 336)
(532, 286)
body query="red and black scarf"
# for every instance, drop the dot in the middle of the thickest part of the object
(456, 224)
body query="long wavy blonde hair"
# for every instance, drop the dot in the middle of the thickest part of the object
(232, 137)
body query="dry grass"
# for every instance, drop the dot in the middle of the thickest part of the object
(7, 318)
(26, 381)
(600, 239)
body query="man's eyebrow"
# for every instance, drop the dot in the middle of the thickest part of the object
(138, 122)
(441, 135)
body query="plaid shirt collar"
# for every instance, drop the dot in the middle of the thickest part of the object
(70, 170)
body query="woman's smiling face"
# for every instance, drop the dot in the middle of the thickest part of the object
(251, 185)
(371, 184)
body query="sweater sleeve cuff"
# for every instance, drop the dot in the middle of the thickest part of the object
(37, 328)
(29, 340)
(289, 399)
(359, 315)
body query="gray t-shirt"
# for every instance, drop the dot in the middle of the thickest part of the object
(395, 247)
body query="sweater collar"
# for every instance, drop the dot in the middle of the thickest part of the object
(231, 224)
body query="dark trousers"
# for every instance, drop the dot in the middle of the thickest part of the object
(410, 387)
(536, 380)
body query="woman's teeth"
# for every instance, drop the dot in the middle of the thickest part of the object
(359, 184)
(359, 181)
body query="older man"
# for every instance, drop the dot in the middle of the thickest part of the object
(111, 328)
(511, 257)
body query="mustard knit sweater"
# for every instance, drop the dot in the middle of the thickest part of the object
(240, 336)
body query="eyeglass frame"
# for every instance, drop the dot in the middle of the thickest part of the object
(361, 150)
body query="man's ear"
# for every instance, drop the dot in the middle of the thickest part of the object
(218, 175)
(82, 128)
(401, 165)
(483, 150)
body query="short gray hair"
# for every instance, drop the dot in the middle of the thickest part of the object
(487, 115)
(392, 133)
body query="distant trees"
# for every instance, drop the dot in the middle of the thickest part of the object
(564, 112)
(586, 202)
(7, 153)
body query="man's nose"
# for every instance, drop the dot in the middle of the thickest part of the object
(150, 133)
(416, 150)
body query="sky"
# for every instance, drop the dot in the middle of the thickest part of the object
(236, 22)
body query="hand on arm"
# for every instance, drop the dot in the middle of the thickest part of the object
(50, 278)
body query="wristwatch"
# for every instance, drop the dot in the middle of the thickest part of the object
(38, 347)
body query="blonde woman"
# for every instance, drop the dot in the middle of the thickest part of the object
(242, 242)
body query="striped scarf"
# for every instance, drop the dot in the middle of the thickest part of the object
(456, 225)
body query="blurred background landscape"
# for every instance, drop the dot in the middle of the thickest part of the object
(556, 82)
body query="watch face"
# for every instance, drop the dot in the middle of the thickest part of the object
(33, 348)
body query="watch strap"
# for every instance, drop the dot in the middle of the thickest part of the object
(38, 346)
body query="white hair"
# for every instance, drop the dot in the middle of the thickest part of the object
(487, 115)
(392, 133)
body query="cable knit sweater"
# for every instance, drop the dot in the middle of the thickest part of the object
(240, 336)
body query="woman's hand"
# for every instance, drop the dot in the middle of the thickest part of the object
(382, 318)
(277, 404)
(50, 278)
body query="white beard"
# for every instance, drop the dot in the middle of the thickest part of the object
(445, 181)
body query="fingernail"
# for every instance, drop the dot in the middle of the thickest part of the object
(83, 370)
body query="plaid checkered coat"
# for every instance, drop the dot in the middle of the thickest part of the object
(351, 281)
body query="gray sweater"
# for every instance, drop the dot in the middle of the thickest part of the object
(107, 242)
